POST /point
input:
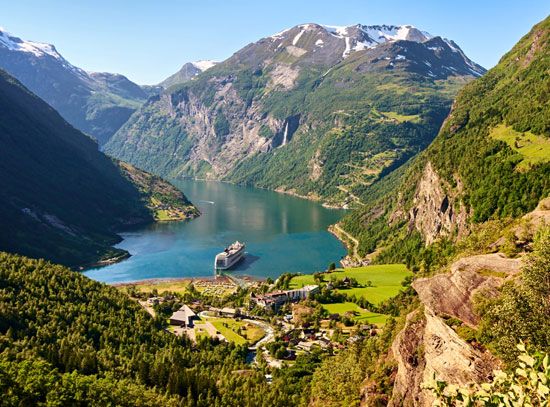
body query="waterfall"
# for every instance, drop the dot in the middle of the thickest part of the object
(286, 134)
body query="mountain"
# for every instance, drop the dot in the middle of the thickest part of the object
(187, 72)
(95, 103)
(60, 198)
(489, 163)
(314, 110)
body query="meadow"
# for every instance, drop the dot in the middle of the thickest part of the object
(360, 314)
(377, 282)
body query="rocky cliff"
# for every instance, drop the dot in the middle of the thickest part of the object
(319, 111)
(435, 339)
(429, 346)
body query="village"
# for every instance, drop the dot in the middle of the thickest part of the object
(276, 321)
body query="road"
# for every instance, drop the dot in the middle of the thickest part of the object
(338, 230)
(269, 336)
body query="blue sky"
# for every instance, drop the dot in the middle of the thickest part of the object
(148, 40)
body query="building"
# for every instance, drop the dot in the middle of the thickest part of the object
(155, 301)
(277, 298)
(183, 317)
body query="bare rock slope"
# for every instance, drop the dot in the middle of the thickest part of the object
(427, 346)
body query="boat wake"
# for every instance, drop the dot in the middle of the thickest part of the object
(208, 202)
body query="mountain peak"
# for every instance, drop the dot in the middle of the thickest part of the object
(358, 37)
(39, 49)
(187, 72)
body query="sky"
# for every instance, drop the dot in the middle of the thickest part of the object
(148, 40)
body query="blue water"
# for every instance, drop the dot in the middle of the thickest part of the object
(282, 234)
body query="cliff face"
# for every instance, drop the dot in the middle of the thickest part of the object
(225, 132)
(436, 210)
(428, 346)
(301, 111)
(213, 136)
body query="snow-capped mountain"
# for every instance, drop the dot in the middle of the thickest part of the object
(95, 103)
(38, 49)
(187, 72)
(325, 44)
(299, 110)
(359, 37)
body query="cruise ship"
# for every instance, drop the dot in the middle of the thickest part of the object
(230, 256)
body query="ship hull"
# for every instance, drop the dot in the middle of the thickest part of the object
(229, 257)
(231, 262)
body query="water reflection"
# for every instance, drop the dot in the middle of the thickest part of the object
(282, 233)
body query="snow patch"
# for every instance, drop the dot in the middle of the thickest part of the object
(204, 64)
(297, 37)
(348, 47)
(400, 57)
(360, 37)
(39, 49)
(319, 43)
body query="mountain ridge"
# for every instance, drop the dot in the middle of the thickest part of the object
(61, 198)
(255, 117)
(449, 188)
(95, 103)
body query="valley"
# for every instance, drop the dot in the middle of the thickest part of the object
(390, 195)
(309, 118)
(282, 234)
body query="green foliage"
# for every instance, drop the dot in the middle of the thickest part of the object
(266, 132)
(526, 386)
(339, 380)
(521, 312)
(376, 283)
(66, 339)
(496, 182)
(60, 198)
(221, 125)
(362, 148)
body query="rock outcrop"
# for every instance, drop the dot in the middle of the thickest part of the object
(435, 212)
(452, 293)
(427, 346)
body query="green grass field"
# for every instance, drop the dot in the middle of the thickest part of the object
(385, 278)
(414, 118)
(227, 332)
(534, 149)
(363, 315)
(231, 331)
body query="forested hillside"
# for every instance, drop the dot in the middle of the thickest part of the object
(491, 160)
(61, 198)
(68, 340)
(315, 110)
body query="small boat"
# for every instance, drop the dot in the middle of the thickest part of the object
(230, 256)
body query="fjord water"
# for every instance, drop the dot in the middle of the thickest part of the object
(282, 234)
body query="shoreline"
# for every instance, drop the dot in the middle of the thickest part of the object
(161, 280)
(352, 258)
(279, 190)
(124, 256)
